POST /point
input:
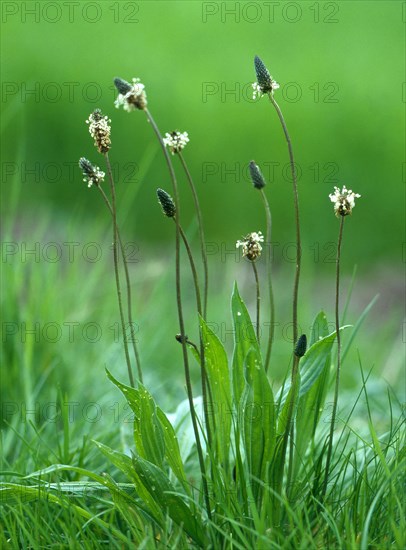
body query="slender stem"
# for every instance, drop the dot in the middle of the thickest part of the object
(180, 314)
(128, 284)
(201, 232)
(201, 352)
(254, 268)
(338, 335)
(193, 269)
(269, 276)
(115, 255)
(296, 201)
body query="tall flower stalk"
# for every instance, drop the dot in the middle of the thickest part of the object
(128, 285)
(169, 209)
(99, 129)
(117, 275)
(266, 85)
(94, 176)
(176, 142)
(259, 183)
(344, 202)
(255, 270)
(133, 97)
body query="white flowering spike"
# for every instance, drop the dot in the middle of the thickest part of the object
(131, 96)
(176, 141)
(344, 200)
(92, 174)
(99, 129)
(251, 247)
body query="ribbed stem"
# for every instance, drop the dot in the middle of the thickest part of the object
(180, 314)
(269, 277)
(115, 256)
(338, 335)
(254, 268)
(296, 202)
(128, 284)
(201, 232)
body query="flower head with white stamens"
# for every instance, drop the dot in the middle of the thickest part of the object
(176, 141)
(344, 200)
(131, 96)
(251, 247)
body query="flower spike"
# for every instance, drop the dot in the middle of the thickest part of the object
(301, 346)
(130, 96)
(256, 176)
(250, 245)
(100, 129)
(176, 141)
(265, 84)
(166, 202)
(344, 201)
(92, 174)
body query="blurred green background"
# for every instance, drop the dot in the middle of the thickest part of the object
(341, 70)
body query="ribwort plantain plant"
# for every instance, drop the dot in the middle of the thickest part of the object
(245, 455)
(266, 477)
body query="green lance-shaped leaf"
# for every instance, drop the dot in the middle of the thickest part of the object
(125, 464)
(157, 483)
(220, 408)
(148, 433)
(284, 425)
(153, 445)
(257, 418)
(244, 339)
(172, 451)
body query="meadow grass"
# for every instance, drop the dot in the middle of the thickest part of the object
(255, 457)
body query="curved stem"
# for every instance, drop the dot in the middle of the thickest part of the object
(337, 383)
(254, 267)
(201, 232)
(201, 352)
(296, 202)
(269, 276)
(180, 313)
(128, 284)
(115, 255)
(193, 269)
